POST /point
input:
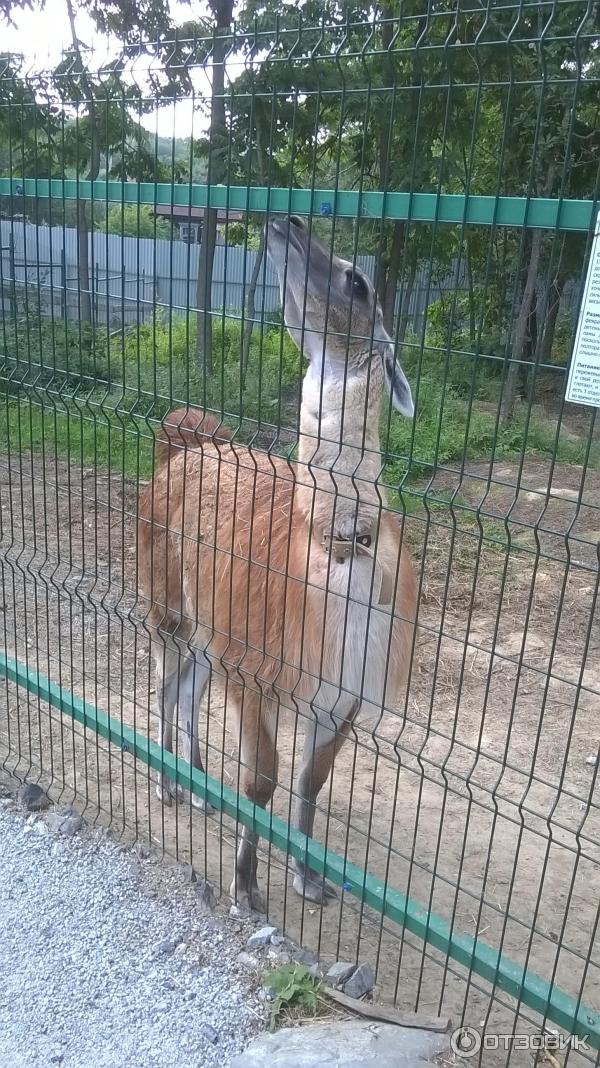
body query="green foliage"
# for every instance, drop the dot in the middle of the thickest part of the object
(447, 428)
(106, 388)
(295, 992)
(240, 234)
(132, 220)
(159, 358)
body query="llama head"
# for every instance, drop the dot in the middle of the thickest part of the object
(331, 309)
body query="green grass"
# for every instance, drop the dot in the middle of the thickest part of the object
(83, 436)
(96, 398)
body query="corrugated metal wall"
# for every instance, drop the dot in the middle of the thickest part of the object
(130, 277)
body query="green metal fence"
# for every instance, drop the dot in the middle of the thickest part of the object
(451, 157)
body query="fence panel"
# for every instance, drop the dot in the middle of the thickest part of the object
(445, 170)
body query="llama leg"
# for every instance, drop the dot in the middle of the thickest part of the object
(166, 661)
(194, 677)
(320, 748)
(258, 778)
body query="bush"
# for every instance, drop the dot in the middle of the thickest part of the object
(160, 359)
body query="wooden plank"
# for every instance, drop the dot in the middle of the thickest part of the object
(388, 1015)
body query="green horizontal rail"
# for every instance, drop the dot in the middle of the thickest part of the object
(536, 212)
(530, 989)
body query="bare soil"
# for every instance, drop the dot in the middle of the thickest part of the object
(476, 799)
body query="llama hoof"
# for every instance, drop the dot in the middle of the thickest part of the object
(166, 791)
(252, 900)
(313, 888)
(201, 805)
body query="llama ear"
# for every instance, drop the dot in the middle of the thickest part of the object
(397, 384)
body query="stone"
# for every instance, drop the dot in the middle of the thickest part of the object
(339, 973)
(206, 894)
(33, 798)
(361, 982)
(353, 1044)
(262, 937)
(239, 912)
(279, 955)
(164, 948)
(248, 961)
(210, 1033)
(189, 873)
(304, 956)
(277, 940)
(67, 822)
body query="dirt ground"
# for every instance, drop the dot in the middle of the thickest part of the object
(478, 799)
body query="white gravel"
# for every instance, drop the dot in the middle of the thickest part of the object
(99, 968)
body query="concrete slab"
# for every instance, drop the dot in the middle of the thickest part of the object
(346, 1044)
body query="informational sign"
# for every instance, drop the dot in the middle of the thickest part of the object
(583, 386)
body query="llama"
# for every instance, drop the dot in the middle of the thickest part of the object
(290, 580)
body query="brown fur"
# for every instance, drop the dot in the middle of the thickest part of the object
(187, 428)
(224, 553)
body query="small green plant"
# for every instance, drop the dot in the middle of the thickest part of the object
(296, 993)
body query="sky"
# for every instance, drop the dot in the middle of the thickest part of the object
(41, 35)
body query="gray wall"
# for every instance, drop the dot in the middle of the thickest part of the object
(131, 277)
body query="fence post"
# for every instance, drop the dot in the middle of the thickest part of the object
(13, 284)
(63, 284)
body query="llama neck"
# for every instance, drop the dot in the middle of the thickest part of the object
(339, 450)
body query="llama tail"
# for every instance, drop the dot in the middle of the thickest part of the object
(187, 428)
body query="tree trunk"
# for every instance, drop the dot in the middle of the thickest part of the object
(83, 259)
(83, 264)
(222, 11)
(521, 337)
(546, 339)
(393, 270)
(407, 291)
(250, 305)
(471, 285)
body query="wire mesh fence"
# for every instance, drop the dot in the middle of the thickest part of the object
(192, 619)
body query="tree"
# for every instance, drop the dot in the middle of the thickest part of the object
(133, 220)
(222, 11)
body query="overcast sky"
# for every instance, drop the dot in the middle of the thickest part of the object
(41, 36)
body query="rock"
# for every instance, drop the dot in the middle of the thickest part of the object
(33, 798)
(361, 982)
(592, 759)
(353, 1044)
(189, 873)
(277, 940)
(304, 956)
(279, 954)
(164, 948)
(206, 894)
(40, 828)
(248, 961)
(239, 912)
(67, 822)
(210, 1033)
(262, 937)
(339, 973)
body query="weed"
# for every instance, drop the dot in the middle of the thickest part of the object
(295, 993)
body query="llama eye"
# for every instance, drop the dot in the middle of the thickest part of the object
(356, 283)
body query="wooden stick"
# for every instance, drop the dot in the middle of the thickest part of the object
(393, 1016)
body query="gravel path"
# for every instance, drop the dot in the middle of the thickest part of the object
(100, 968)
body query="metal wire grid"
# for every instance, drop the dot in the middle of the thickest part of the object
(464, 780)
